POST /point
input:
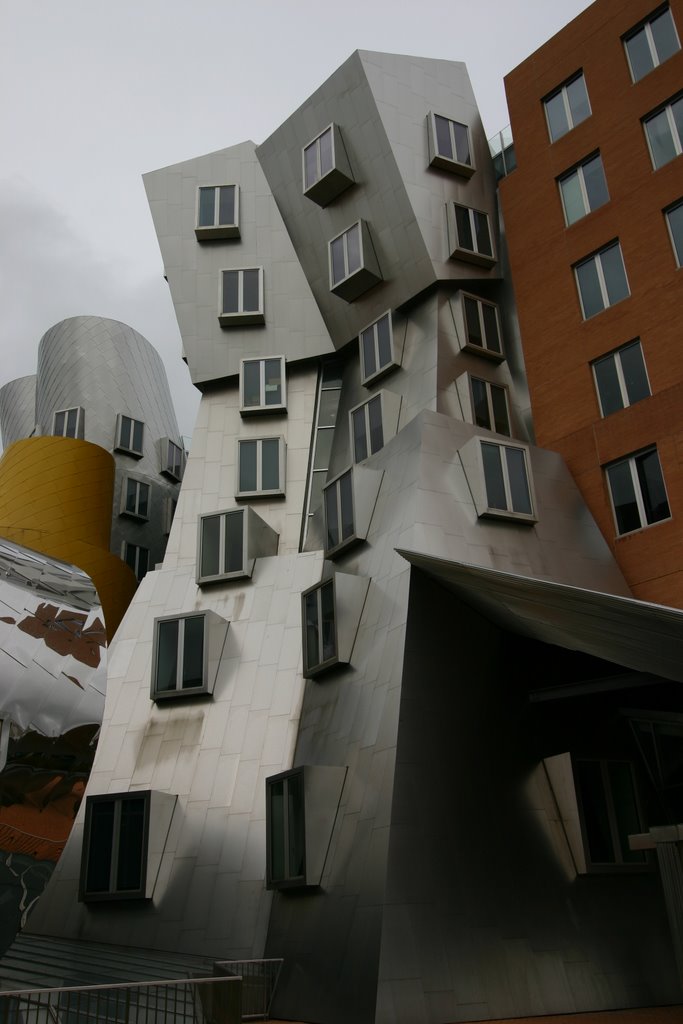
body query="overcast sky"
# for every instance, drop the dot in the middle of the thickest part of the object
(97, 92)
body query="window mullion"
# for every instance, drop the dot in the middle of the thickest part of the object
(262, 382)
(583, 190)
(636, 490)
(677, 141)
(259, 465)
(502, 454)
(489, 403)
(654, 56)
(601, 280)
(621, 379)
(567, 108)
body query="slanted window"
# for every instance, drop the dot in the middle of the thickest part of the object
(651, 43)
(339, 512)
(353, 264)
(136, 558)
(367, 429)
(469, 233)
(506, 479)
(221, 546)
(621, 378)
(241, 299)
(637, 490)
(262, 385)
(664, 132)
(135, 498)
(326, 168)
(320, 631)
(601, 280)
(286, 830)
(376, 349)
(68, 423)
(172, 459)
(179, 667)
(608, 807)
(170, 506)
(327, 406)
(674, 221)
(129, 434)
(260, 467)
(450, 145)
(482, 326)
(490, 406)
(567, 107)
(583, 189)
(114, 863)
(217, 212)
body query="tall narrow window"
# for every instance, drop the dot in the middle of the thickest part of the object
(450, 146)
(367, 430)
(135, 498)
(638, 493)
(651, 43)
(241, 297)
(664, 132)
(482, 326)
(221, 546)
(68, 423)
(217, 212)
(286, 831)
(327, 406)
(179, 666)
(601, 280)
(262, 385)
(506, 478)
(470, 235)
(567, 107)
(320, 632)
(136, 558)
(621, 378)
(490, 406)
(114, 864)
(261, 466)
(172, 459)
(674, 221)
(583, 189)
(339, 512)
(376, 349)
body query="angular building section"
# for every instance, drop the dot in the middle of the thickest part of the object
(388, 712)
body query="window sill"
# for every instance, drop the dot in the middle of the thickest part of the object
(469, 256)
(241, 319)
(219, 231)
(513, 517)
(355, 285)
(327, 188)
(262, 410)
(443, 163)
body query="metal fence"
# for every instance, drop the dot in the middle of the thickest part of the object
(197, 1001)
(259, 978)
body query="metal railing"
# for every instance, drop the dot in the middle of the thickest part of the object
(259, 978)
(214, 1000)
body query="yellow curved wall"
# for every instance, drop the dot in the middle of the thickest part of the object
(56, 497)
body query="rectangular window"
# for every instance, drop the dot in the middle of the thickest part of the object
(490, 406)
(609, 811)
(482, 326)
(326, 169)
(179, 667)
(621, 378)
(320, 632)
(353, 264)
(135, 498)
(260, 467)
(241, 299)
(318, 158)
(286, 830)
(339, 512)
(674, 220)
(470, 235)
(601, 280)
(327, 406)
(651, 43)
(217, 212)
(136, 558)
(506, 478)
(450, 146)
(583, 189)
(68, 423)
(172, 459)
(376, 349)
(222, 546)
(262, 385)
(366, 429)
(346, 256)
(114, 863)
(567, 107)
(129, 434)
(664, 132)
(637, 490)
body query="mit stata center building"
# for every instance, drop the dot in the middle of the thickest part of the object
(401, 706)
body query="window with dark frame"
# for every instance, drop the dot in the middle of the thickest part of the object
(621, 378)
(567, 107)
(179, 664)
(137, 559)
(114, 859)
(638, 492)
(221, 546)
(285, 829)
(320, 631)
(651, 43)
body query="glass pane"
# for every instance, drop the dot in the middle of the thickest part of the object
(131, 553)
(443, 137)
(230, 291)
(167, 655)
(328, 634)
(652, 487)
(323, 446)
(493, 476)
(578, 100)
(595, 813)
(193, 652)
(331, 516)
(273, 381)
(640, 58)
(623, 497)
(143, 562)
(664, 36)
(143, 499)
(607, 382)
(589, 288)
(635, 375)
(310, 165)
(572, 198)
(375, 418)
(557, 116)
(677, 111)
(472, 323)
(270, 464)
(675, 219)
(346, 502)
(311, 628)
(137, 436)
(464, 228)
(295, 826)
(367, 345)
(326, 155)
(211, 535)
(594, 180)
(234, 542)
(384, 341)
(353, 249)
(517, 478)
(660, 139)
(276, 808)
(131, 834)
(614, 274)
(491, 327)
(226, 205)
(251, 298)
(480, 404)
(501, 419)
(332, 375)
(251, 383)
(59, 424)
(316, 496)
(337, 254)
(626, 815)
(462, 143)
(131, 495)
(207, 201)
(360, 441)
(71, 422)
(125, 431)
(481, 226)
(100, 847)
(248, 457)
(327, 413)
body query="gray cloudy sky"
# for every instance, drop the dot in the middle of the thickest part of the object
(96, 92)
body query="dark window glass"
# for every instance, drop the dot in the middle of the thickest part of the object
(331, 516)
(326, 154)
(639, 55)
(360, 441)
(493, 477)
(519, 485)
(664, 36)
(193, 652)
(368, 351)
(310, 165)
(635, 375)
(624, 497)
(59, 424)
(71, 422)
(137, 436)
(226, 205)
(481, 404)
(627, 819)
(607, 381)
(323, 446)
(270, 464)
(273, 381)
(131, 836)
(234, 542)
(472, 322)
(596, 186)
(614, 273)
(251, 377)
(327, 630)
(231, 291)
(295, 826)
(207, 201)
(100, 844)
(277, 830)
(501, 420)
(595, 812)
(375, 421)
(556, 113)
(167, 655)
(384, 341)
(675, 219)
(248, 455)
(443, 137)
(652, 487)
(589, 287)
(251, 299)
(353, 249)
(211, 535)
(462, 143)
(491, 327)
(346, 502)
(481, 226)
(578, 100)
(143, 498)
(311, 622)
(464, 227)
(338, 266)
